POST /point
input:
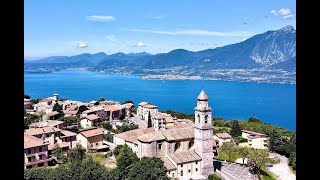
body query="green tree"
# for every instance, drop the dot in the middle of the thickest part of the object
(35, 101)
(81, 109)
(76, 154)
(148, 169)
(57, 152)
(30, 118)
(117, 149)
(108, 137)
(125, 160)
(244, 152)
(91, 169)
(107, 125)
(292, 160)
(235, 129)
(71, 120)
(213, 177)
(40, 173)
(26, 96)
(149, 120)
(101, 99)
(257, 158)
(229, 148)
(57, 107)
(254, 119)
(62, 172)
(128, 101)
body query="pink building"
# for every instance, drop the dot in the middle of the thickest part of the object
(35, 152)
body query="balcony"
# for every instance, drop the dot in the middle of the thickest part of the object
(39, 161)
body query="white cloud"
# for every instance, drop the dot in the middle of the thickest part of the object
(274, 12)
(139, 44)
(112, 38)
(284, 12)
(81, 44)
(101, 18)
(194, 32)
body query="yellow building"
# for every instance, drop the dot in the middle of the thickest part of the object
(91, 139)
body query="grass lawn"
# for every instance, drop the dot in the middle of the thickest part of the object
(265, 174)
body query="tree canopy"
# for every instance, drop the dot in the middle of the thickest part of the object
(235, 129)
(116, 150)
(26, 96)
(228, 147)
(148, 169)
(125, 159)
(128, 101)
(81, 109)
(149, 120)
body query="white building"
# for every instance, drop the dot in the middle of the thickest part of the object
(255, 140)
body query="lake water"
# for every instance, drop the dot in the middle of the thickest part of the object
(272, 103)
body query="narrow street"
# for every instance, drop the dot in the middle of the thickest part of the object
(281, 170)
(136, 120)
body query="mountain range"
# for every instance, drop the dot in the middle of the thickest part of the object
(272, 50)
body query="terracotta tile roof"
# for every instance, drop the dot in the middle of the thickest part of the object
(168, 164)
(61, 144)
(179, 133)
(152, 136)
(92, 132)
(223, 135)
(143, 103)
(68, 133)
(92, 117)
(184, 157)
(180, 126)
(113, 108)
(31, 141)
(131, 136)
(92, 110)
(150, 106)
(46, 100)
(253, 133)
(46, 123)
(71, 112)
(36, 131)
(202, 96)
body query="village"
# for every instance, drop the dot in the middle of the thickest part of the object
(189, 149)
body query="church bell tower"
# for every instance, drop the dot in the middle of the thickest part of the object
(203, 137)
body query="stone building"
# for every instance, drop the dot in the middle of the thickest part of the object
(186, 149)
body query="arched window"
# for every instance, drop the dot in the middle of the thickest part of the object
(206, 118)
(198, 118)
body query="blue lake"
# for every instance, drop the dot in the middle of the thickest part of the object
(272, 103)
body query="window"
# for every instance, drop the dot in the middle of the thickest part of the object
(181, 165)
(97, 144)
(29, 159)
(196, 162)
(177, 146)
(191, 143)
(198, 118)
(29, 151)
(189, 171)
(40, 149)
(172, 174)
(40, 164)
(91, 145)
(159, 146)
(40, 157)
(47, 135)
(196, 169)
(181, 173)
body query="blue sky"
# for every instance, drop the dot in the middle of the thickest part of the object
(60, 27)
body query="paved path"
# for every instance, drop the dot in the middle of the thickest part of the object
(232, 171)
(136, 120)
(281, 170)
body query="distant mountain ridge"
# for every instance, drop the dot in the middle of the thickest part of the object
(270, 50)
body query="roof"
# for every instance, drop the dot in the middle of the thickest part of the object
(71, 112)
(31, 141)
(143, 103)
(61, 144)
(202, 96)
(46, 100)
(68, 133)
(131, 136)
(36, 131)
(53, 113)
(92, 117)
(168, 164)
(253, 133)
(113, 108)
(92, 132)
(179, 133)
(185, 156)
(92, 110)
(150, 106)
(46, 123)
(152, 136)
(223, 135)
